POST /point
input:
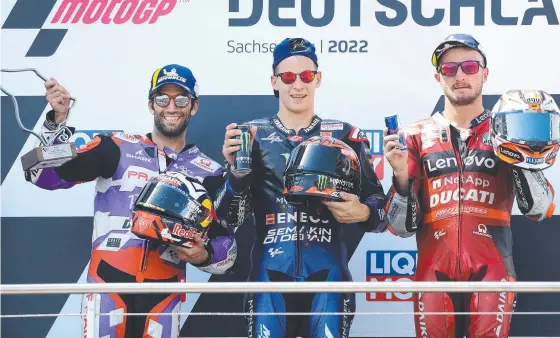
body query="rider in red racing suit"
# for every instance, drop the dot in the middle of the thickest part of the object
(459, 206)
(457, 197)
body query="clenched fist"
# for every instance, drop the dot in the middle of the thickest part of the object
(231, 144)
(196, 254)
(58, 98)
(398, 159)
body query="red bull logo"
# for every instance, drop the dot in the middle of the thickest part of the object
(179, 231)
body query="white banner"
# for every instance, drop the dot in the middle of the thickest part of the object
(375, 58)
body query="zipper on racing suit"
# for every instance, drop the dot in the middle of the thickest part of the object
(460, 153)
(292, 144)
(298, 245)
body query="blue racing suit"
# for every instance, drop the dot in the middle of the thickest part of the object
(299, 246)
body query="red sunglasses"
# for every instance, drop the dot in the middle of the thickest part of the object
(306, 76)
(451, 68)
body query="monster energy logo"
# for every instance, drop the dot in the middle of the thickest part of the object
(243, 156)
(246, 145)
(322, 182)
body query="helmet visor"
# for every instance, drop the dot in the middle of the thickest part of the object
(530, 128)
(321, 159)
(172, 201)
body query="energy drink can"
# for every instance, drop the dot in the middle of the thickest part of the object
(393, 125)
(242, 159)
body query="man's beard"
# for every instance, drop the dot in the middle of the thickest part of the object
(171, 131)
(463, 100)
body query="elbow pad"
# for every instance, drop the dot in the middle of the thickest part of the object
(397, 215)
(534, 195)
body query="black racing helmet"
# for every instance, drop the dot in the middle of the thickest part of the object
(172, 208)
(319, 169)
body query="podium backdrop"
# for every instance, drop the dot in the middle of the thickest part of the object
(375, 58)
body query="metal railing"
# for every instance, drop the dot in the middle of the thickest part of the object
(291, 287)
(265, 287)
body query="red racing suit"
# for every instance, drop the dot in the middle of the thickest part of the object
(459, 206)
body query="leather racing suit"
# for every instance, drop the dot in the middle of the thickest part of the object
(122, 164)
(299, 246)
(459, 206)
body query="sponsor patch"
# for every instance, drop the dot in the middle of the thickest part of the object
(114, 242)
(170, 255)
(486, 139)
(332, 126)
(357, 135)
(127, 137)
(206, 164)
(482, 231)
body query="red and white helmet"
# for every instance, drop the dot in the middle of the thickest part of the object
(525, 129)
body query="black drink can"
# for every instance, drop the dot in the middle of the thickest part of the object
(242, 160)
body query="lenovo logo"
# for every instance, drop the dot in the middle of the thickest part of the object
(510, 153)
(442, 163)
